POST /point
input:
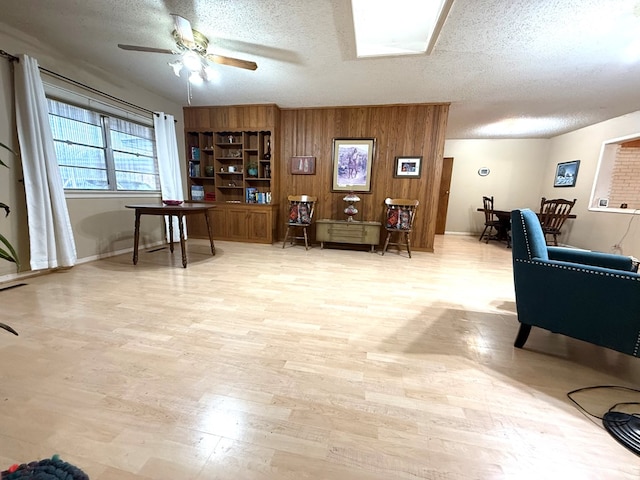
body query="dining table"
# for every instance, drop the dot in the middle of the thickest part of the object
(172, 210)
(504, 228)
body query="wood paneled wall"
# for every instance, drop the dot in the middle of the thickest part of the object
(232, 117)
(399, 130)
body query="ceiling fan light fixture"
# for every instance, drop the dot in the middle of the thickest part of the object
(210, 74)
(192, 61)
(195, 78)
(183, 30)
(192, 49)
(177, 67)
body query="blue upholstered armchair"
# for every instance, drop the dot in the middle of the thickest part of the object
(586, 295)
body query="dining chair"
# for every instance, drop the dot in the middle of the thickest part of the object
(553, 214)
(400, 214)
(491, 222)
(300, 217)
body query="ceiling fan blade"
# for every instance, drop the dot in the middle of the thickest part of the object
(137, 48)
(232, 62)
(185, 32)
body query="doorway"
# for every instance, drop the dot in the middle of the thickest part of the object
(443, 195)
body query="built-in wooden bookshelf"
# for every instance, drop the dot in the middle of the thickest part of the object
(232, 167)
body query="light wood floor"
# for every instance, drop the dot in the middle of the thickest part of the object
(264, 363)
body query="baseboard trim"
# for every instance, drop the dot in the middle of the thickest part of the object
(12, 277)
(463, 234)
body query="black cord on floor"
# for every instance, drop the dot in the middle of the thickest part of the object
(618, 387)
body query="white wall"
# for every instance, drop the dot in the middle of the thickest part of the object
(103, 225)
(593, 230)
(517, 169)
(523, 171)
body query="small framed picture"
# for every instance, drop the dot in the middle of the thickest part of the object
(566, 174)
(408, 167)
(303, 165)
(603, 202)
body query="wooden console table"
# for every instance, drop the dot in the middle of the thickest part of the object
(342, 231)
(172, 210)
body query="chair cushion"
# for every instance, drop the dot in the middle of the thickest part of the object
(299, 213)
(392, 218)
(293, 213)
(303, 213)
(399, 218)
(405, 219)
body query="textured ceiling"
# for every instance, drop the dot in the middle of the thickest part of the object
(559, 63)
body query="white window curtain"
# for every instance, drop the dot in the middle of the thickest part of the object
(169, 167)
(50, 233)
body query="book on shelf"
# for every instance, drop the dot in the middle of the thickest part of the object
(252, 195)
(195, 153)
(194, 169)
(197, 192)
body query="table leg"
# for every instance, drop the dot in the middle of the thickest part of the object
(210, 230)
(170, 233)
(182, 244)
(136, 238)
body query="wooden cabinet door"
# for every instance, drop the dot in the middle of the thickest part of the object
(260, 226)
(237, 223)
(196, 226)
(218, 223)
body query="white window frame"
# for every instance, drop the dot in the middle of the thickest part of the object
(100, 106)
(605, 166)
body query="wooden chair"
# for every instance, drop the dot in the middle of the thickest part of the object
(400, 214)
(491, 222)
(300, 217)
(553, 214)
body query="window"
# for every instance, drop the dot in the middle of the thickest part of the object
(97, 151)
(618, 176)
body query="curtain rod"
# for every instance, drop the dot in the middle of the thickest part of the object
(13, 58)
(8, 56)
(94, 90)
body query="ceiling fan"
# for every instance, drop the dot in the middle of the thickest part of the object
(192, 46)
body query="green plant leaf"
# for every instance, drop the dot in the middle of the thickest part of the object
(4, 146)
(10, 255)
(8, 328)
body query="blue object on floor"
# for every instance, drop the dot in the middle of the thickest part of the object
(48, 469)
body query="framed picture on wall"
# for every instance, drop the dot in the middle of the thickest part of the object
(566, 174)
(352, 161)
(408, 167)
(303, 165)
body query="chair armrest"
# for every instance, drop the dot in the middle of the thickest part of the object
(596, 259)
(595, 304)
